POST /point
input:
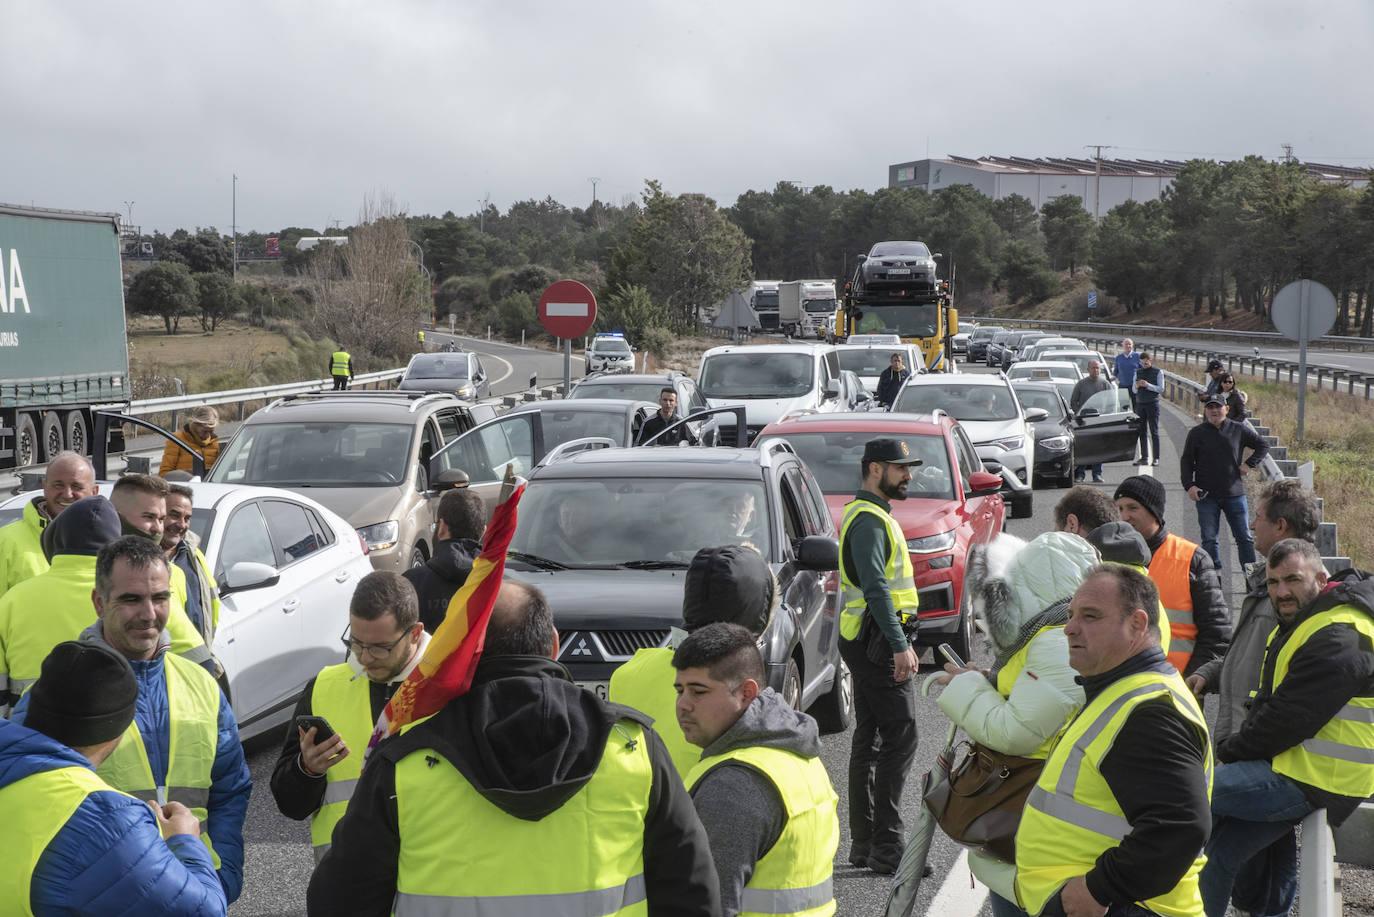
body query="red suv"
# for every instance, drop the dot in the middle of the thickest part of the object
(952, 503)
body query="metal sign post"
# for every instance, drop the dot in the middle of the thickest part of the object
(1303, 311)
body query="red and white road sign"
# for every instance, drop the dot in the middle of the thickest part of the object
(567, 309)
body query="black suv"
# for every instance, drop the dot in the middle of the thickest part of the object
(608, 534)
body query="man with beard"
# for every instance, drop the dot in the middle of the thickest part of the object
(879, 595)
(179, 544)
(69, 478)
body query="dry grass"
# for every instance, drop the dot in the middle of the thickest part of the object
(1338, 439)
(195, 356)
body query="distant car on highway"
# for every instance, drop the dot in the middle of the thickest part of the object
(286, 568)
(978, 342)
(460, 374)
(610, 353)
(907, 266)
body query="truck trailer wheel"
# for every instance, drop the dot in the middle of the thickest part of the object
(51, 440)
(25, 442)
(74, 426)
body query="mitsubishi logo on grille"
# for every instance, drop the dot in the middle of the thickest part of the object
(581, 648)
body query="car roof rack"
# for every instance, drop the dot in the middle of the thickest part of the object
(417, 399)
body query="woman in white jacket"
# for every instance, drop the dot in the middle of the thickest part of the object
(1021, 592)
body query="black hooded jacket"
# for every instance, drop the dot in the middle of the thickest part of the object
(441, 577)
(527, 739)
(1335, 664)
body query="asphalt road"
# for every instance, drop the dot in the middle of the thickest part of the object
(278, 852)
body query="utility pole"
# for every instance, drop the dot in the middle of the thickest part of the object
(594, 182)
(482, 214)
(234, 226)
(1097, 181)
(1287, 152)
(130, 205)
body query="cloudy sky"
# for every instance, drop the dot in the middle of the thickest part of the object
(442, 104)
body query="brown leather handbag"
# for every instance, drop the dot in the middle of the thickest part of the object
(979, 804)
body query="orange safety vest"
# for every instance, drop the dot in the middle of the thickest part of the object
(1169, 571)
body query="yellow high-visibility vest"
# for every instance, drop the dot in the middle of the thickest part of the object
(346, 702)
(901, 577)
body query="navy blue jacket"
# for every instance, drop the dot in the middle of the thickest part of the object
(109, 857)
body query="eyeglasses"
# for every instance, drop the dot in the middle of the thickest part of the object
(375, 650)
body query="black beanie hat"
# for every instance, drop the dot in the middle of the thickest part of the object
(84, 695)
(731, 584)
(1145, 490)
(82, 528)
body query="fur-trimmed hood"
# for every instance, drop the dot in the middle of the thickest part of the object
(1011, 581)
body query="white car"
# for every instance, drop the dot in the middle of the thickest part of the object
(610, 353)
(873, 339)
(771, 381)
(987, 407)
(286, 569)
(869, 361)
(1045, 371)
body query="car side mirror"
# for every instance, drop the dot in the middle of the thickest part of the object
(1085, 413)
(832, 388)
(938, 256)
(449, 479)
(984, 482)
(247, 574)
(860, 259)
(818, 552)
(1035, 415)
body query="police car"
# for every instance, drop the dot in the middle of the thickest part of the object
(610, 353)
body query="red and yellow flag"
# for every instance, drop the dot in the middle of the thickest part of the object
(446, 668)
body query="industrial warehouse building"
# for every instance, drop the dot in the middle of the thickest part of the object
(1041, 180)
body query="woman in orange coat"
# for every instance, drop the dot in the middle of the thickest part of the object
(199, 434)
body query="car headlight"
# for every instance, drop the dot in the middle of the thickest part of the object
(381, 536)
(1011, 445)
(929, 544)
(1055, 443)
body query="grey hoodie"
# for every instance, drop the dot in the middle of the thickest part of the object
(740, 808)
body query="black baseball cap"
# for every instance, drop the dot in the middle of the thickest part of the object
(892, 451)
(1214, 398)
(1213, 365)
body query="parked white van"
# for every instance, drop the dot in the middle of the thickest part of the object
(772, 380)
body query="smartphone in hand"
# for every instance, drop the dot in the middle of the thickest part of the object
(323, 731)
(950, 656)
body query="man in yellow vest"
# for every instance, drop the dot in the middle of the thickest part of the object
(341, 368)
(760, 787)
(1118, 818)
(314, 776)
(74, 844)
(1187, 580)
(1308, 740)
(68, 478)
(879, 595)
(731, 584)
(181, 547)
(183, 745)
(526, 792)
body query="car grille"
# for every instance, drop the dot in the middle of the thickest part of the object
(938, 598)
(623, 643)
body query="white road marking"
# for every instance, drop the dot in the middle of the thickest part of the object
(960, 893)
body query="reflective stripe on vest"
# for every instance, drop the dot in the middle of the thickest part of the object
(1340, 757)
(1071, 817)
(1006, 680)
(795, 875)
(901, 578)
(193, 727)
(645, 683)
(347, 703)
(338, 365)
(584, 858)
(33, 810)
(1169, 570)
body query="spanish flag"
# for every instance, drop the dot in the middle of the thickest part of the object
(445, 669)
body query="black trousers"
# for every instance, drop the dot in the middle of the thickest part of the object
(880, 755)
(340, 383)
(1148, 411)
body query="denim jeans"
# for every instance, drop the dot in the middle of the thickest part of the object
(1209, 510)
(1252, 807)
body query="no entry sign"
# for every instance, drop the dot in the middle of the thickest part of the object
(567, 309)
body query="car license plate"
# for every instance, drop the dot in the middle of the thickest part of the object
(600, 688)
(899, 270)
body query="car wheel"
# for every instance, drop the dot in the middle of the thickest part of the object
(1023, 505)
(417, 556)
(961, 641)
(835, 711)
(1067, 479)
(791, 684)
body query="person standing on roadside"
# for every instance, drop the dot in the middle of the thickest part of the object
(457, 542)
(180, 544)
(1213, 474)
(68, 478)
(879, 595)
(75, 844)
(341, 368)
(1215, 370)
(1124, 366)
(1084, 389)
(1083, 509)
(665, 417)
(1235, 398)
(199, 434)
(1149, 386)
(1183, 573)
(891, 380)
(314, 776)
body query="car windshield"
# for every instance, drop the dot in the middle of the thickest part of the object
(563, 426)
(984, 334)
(962, 402)
(906, 321)
(201, 520)
(337, 454)
(582, 523)
(820, 305)
(757, 374)
(1081, 360)
(1042, 398)
(906, 249)
(438, 366)
(1112, 401)
(766, 299)
(870, 361)
(614, 347)
(834, 459)
(625, 391)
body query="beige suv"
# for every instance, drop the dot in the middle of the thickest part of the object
(363, 454)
